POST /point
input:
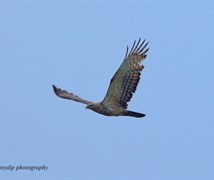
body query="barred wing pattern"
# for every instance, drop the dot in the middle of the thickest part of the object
(125, 80)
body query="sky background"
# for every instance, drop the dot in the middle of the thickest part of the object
(78, 46)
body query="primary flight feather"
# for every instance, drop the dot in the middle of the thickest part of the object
(122, 85)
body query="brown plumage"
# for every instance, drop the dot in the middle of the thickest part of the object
(122, 85)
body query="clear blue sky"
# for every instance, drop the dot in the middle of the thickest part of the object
(78, 46)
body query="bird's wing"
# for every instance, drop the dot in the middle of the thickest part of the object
(125, 80)
(66, 95)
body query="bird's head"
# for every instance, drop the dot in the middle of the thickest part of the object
(91, 106)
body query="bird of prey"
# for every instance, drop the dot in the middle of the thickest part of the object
(122, 85)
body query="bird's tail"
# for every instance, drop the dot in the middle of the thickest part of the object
(134, 114)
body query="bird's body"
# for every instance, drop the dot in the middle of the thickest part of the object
(108, 110)
(112, 110)
(121, 88)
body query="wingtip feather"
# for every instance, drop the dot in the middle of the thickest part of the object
(54, 87)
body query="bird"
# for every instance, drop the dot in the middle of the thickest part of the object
(122, 85)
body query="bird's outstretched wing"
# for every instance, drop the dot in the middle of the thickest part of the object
(125, 80)
(66, 95)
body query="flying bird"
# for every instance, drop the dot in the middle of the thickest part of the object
(122, 85)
